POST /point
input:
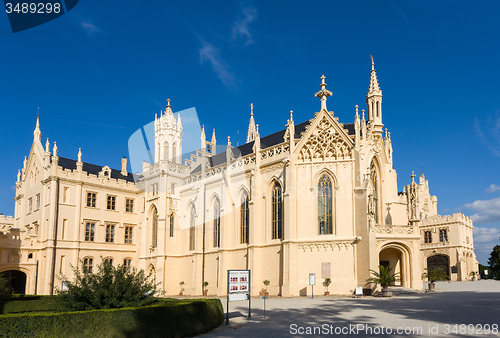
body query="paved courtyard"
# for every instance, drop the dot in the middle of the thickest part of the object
(419, 314)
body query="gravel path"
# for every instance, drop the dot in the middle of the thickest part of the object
(420, 314)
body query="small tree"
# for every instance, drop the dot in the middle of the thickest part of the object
(494, 262)
(473, 274)
(182, 288)
(4, 285)
(264, 291)
(435, 275)
(326, 284)
(205, 290)
(384, 277)
(108, 288)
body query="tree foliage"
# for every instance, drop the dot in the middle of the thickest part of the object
(494, 262)
(435, 274)
(4, 285)
(110, 287)
(384, 277)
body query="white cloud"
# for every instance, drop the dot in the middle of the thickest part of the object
(89, 28)
(492, 188)
(210, 53)
(491, 137)
(487, 211)
(240, 27)
(485, 235)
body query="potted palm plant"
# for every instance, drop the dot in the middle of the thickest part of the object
(326, 284)
(205, 290)
(434, 275)
(182, 288)
(384, 278)
(474, 275)
(266, 284)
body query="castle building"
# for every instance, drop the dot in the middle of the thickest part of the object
(316, 197)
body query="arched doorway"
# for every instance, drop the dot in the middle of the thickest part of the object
(16, 281)
(439, 261)
(399, 256)
(392, 257)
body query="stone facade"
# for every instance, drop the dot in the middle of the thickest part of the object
(319, 196)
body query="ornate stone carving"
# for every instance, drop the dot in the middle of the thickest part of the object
(14, 256)
(278, 166)
(276, 151)
(325, 142)
(325, 246)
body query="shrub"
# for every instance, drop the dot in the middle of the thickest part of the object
(171, 319)
(108, 288)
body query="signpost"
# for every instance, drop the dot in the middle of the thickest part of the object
(312, 282)
(238, 288)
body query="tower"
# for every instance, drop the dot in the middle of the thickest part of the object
(374, 102)
(168, 136)
(251, 126)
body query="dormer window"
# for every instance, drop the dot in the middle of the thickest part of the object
(105, 172)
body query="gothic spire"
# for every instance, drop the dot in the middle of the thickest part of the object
(251, 126)
(323, 93)
(374, 86)
(37, 133)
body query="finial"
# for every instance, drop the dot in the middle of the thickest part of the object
(412, 176)
(55, 149)
(47, 146)
(79, 154)
(19, 175)
(363, 114)
(257, 129)
(323, 93)
(229, 140)
(389, 135)
(168, 103)
(373, 63)
(386, 132)
(251, 109)
(356, 109)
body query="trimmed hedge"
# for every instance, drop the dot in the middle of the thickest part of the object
(172, 319)
(30, 304)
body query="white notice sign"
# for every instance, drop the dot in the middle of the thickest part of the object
(312, 279)
(239, 281)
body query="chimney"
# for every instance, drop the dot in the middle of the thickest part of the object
(124, 166)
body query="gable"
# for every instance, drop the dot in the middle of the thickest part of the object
(324, 139)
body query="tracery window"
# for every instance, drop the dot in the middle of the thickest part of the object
(216, 223)
(374, 178)
(154, 228)
(443, 235)
(244, 218)
(325, 203)
(191, 229)
(427, 237)
(88, 264)
(277, 212)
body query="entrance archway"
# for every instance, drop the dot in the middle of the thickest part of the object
(393, 257)
(439, 261)
(17, 281)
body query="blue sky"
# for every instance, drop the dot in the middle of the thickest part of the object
(104, 69)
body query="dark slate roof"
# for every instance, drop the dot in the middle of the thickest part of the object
(265, 142)
(94, 169)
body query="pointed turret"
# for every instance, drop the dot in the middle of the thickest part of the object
(374, 101)
(357, 128)
(251, 126)
(213, 143)
(203, 138)
(37, 134)
(323, 93)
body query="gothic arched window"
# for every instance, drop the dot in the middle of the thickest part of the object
(154, 228)
(216, 223)
(277, 212)
(244, 218)
(165, 151)
(325, 203)
(374, 178)
(191, 228)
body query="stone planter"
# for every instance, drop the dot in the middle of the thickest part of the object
(327, 293)
(432, 287)
(387, 292)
